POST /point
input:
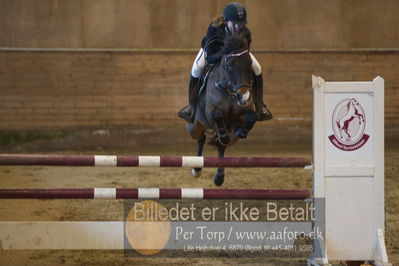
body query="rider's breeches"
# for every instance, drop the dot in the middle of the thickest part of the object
(255, 65)
(200, 64)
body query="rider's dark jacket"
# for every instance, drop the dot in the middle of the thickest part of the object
(212, 43)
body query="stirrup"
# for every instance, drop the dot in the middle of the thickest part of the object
(264, 114)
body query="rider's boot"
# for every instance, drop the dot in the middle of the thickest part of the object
(188, 112)
(261, 110)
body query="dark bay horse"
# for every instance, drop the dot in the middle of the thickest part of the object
(226, 106)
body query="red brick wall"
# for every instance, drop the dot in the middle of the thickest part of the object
(54, 90)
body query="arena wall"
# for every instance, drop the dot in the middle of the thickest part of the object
(275, 24)
(54, 90)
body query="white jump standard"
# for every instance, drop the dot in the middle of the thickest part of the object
(348, 170)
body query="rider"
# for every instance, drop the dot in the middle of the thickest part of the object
(233, 20)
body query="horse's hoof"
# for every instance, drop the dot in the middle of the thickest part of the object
(224, 139)
(218, 180)
(196, 172)
(240, 133)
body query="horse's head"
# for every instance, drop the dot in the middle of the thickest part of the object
(352, 104)
(237, 67)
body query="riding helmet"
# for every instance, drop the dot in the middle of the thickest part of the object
(235, 12)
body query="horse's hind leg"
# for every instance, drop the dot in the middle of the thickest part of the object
(223, 137)
(249, 121)
(196, 172)
(218, 179)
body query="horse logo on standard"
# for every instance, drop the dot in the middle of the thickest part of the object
(348, 125)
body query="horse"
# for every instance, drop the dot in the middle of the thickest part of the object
(226, 104)
(352, 112)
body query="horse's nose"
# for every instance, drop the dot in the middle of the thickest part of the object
(245, 95)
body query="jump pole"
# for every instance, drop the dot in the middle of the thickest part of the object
(152, 193)
(151, 161)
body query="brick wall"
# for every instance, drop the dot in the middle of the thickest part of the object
(57, 90)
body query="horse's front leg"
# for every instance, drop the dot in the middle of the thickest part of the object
(249, 121)
(218, 179)
(196, 172)
(223, 136)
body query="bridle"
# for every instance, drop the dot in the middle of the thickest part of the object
(231, 88)
(235, 55)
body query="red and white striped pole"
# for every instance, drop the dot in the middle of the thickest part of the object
(151, 193)
(151, 161)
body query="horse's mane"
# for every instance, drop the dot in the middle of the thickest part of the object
(234, 42)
